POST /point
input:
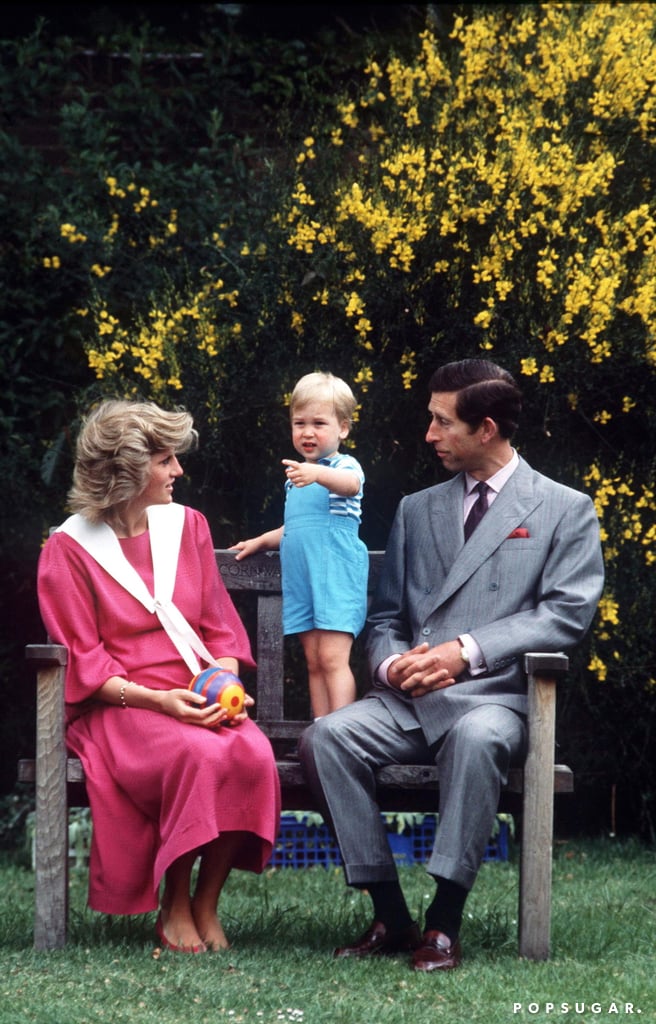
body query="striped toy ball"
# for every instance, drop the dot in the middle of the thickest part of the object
(220, 686)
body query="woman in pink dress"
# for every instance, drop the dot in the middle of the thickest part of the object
(169, 778)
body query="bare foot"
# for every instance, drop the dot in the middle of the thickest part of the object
(179, 933)
(210, 929)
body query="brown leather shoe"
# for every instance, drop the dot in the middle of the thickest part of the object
(377, 939)
(436, 953)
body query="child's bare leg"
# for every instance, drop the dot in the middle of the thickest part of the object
(331, 680)
(316, 684)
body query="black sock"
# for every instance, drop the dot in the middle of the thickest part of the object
(445, 912)
(389, 904)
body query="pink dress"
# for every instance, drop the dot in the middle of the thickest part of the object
(157, 787)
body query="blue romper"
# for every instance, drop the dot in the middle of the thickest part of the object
(324, 563)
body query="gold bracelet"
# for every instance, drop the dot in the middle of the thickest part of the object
(121, 694)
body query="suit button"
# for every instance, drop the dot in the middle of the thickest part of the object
(494, 586)
(426, 631)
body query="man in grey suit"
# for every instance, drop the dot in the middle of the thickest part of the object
(470, 582)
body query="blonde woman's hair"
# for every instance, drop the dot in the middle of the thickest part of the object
(114, 450)
(324, 387)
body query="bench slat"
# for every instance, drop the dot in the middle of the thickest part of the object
(270, 670)
(406, 777)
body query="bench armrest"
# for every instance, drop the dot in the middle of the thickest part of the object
(46, 655)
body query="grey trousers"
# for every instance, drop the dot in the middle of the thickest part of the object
(341, 752)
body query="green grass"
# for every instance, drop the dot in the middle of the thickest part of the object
(284, 924)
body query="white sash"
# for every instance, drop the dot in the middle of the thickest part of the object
(165, 523)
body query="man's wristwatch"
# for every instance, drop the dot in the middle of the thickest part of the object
(463, 652)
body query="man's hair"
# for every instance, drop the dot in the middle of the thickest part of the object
(324, 387)
(114, 450)
(482, 389)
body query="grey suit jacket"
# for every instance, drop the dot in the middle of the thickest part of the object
(536, 591)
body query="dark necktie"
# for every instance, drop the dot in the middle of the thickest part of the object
(478, 509)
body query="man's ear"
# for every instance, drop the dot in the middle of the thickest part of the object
(489, 430)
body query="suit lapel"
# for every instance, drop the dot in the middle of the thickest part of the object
(516, 500)
(446, 521)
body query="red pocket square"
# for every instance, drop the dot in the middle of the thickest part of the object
(521, 531)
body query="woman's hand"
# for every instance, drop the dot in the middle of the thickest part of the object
(243, 715)
(190, 707)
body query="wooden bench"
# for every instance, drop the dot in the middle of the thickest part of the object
(529, 793)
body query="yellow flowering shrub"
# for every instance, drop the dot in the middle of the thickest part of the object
(482, 187)
(492, 193)
(503, 184)
(500, 157)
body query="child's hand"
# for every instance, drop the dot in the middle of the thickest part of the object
(269, 541)
(300, 473)
(244, 548)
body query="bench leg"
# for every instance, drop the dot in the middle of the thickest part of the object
(51, 833)
(537, 825)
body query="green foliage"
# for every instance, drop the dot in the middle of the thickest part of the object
(204, 228)
(185, 134)
(80, 829)
(469, 199)
(16, 810)
(170, 143)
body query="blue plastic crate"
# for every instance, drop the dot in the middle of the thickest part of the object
(301, 844)
(497, 848)
(414, 845)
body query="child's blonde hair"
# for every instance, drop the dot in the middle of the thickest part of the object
(324, 387)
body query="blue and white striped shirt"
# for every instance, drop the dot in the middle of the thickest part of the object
(338, 504)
